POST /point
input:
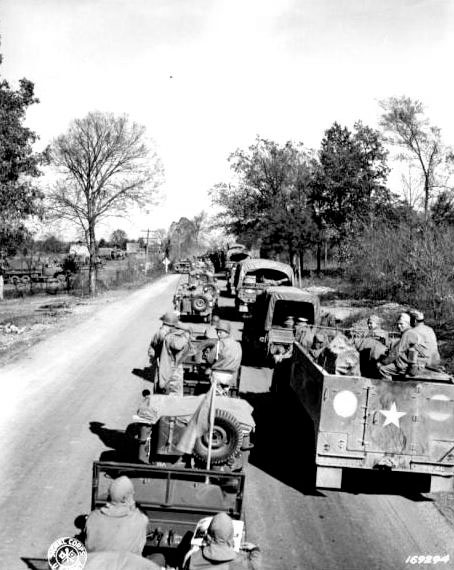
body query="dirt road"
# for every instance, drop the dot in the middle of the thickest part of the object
(69, 397)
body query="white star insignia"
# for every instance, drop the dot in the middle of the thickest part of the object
(392, 415)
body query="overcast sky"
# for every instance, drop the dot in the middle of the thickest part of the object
(207, 76)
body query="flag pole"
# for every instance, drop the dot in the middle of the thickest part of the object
(210, 434)
(212, 411)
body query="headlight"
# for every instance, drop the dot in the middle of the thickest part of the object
(345, 403)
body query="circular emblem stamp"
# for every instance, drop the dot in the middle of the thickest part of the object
(68, 553)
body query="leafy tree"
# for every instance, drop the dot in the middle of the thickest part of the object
(199, 222)
(182, 235)
(268, 203)
(19, 165)
(119, 239)
(348, 186)
(105, 167)
(408, 128)
(51, 244)
(442, 210)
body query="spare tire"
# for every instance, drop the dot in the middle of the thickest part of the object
(227, 439)
(200, 303)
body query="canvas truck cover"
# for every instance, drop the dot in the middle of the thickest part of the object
(283, 293)
(366, 423)
(255, 264)
(163, 405)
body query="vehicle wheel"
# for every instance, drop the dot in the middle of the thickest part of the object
(14, 279)
(26, 279)
(199, 304)
(227, 439)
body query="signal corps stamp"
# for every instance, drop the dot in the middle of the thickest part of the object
(67, 553)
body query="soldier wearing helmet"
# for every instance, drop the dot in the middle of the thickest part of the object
(218, 549)
(398, 361)
(118, 525)
(176, 344)
(428, 334)
(225, 356)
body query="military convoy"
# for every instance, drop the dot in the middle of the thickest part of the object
(359, 422)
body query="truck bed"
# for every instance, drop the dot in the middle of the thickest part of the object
(366, 423)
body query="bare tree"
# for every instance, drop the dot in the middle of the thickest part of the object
(404, 120)
(105, 166)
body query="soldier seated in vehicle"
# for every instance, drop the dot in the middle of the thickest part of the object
(304, 333)
(372, 347)
(318, 345)
(225, 356)
(218, 549)
(118, 525)
(428, 334)
(408, 356)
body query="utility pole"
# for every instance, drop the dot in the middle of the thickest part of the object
(148, 239)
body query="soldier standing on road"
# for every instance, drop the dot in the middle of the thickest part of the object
(176, 345)
(225, 356)
(428, 334)
(154, 351)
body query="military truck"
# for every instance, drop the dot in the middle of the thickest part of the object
(255, 276)
(367, 423)
(25, 270)
(272, 326)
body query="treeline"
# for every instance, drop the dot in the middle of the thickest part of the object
(295, 202)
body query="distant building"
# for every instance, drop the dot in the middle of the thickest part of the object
(132, 247)
(79, 250)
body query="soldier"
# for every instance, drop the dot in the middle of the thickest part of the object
(176, 345)
(118, 525)
(400, 357)
(304, 334)
(218, 551)
(211, 332)
(428, 334)
(169, 319)
(225, 356)
(372, 347)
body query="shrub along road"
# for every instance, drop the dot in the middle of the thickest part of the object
(50, 398)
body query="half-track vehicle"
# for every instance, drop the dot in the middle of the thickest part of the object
(404, 424)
